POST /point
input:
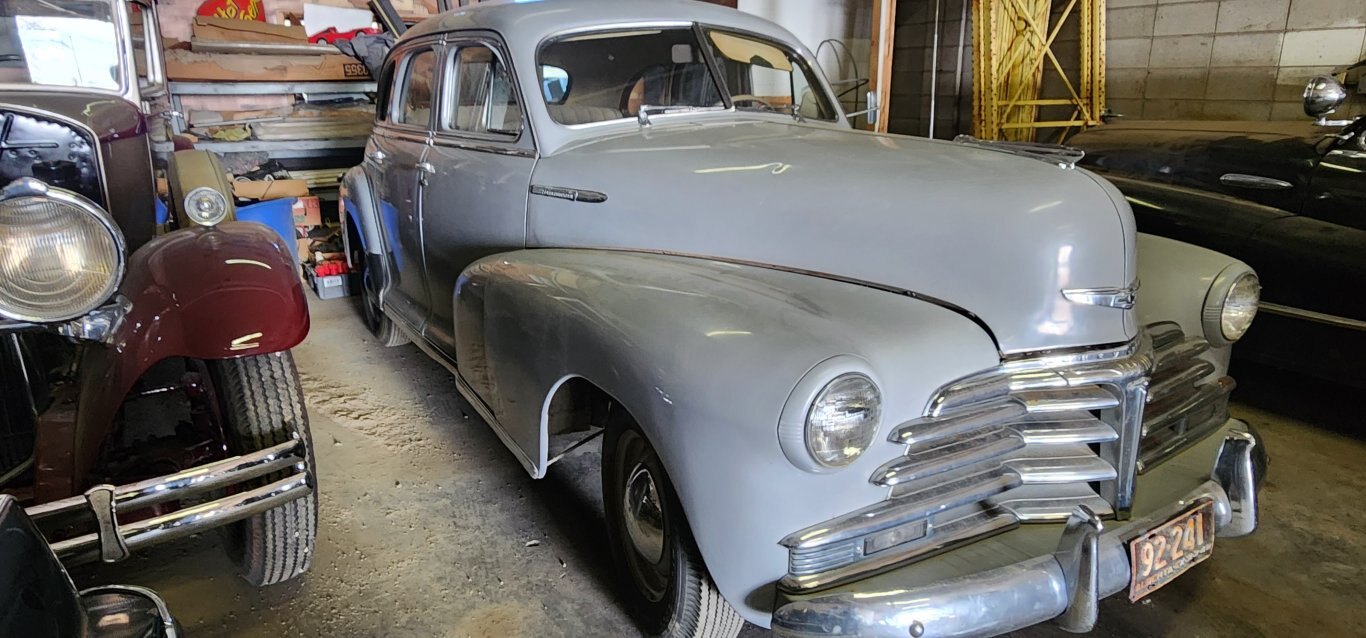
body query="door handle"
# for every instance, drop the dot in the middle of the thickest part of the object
(377, 156)
(1254, 181)
(425, 167)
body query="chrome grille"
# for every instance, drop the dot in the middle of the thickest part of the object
(1186, 402)
(1025, 442)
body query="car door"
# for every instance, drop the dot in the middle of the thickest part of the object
(1338, 189)
(478, 173)
(396, 149)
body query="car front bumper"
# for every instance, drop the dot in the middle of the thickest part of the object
(114, 540)
(1091, 563)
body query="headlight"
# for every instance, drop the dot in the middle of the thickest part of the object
(832, 415)
(61, 256)
(1231, 305)
(843, 420)
(206, 206)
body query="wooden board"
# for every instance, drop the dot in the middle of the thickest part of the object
(236, 67)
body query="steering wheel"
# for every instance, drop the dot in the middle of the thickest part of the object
(745, 97)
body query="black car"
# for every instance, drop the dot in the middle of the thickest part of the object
(1288, 198)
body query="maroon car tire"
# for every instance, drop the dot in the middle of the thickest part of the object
(263, 405)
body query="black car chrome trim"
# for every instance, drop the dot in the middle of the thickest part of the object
(1254, 181)
(570, 194)
(1310, 315)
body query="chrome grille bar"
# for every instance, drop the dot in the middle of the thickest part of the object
(1025, 442)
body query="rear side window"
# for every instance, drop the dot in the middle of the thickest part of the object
(484, 100)
(414, 104)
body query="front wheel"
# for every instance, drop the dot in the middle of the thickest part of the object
(263, 405)
(669, 592)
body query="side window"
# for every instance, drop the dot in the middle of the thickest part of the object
(415, 102)
(484, 100)
(385, 91)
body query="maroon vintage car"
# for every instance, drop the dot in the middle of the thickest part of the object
(147, 389)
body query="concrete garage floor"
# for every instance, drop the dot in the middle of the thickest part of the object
(429, 527)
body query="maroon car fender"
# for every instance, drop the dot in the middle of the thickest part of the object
(201, 293)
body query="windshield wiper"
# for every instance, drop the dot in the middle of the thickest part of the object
(646, 110)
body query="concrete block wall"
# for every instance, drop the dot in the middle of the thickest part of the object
(1227, 59)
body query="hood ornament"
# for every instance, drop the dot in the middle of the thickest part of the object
(1122, 298)
(1064, 157)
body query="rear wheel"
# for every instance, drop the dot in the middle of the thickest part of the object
(380, 325)
(263, 405)
(669, 592)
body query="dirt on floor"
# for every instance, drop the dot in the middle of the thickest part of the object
(430, 527)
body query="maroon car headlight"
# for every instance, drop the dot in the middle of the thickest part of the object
(61, 256)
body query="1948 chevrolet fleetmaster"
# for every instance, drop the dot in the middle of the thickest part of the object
(849, 383)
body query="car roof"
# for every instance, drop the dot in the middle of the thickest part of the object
(528, 22)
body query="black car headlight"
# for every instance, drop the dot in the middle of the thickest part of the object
(61, 255)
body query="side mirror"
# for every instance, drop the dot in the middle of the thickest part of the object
(1323, 95)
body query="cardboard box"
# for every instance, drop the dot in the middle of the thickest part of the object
(270, 189)
(230, 30)
(245, 67)
(307, 212)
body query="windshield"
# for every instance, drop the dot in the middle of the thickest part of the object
(71, 44)
(611, 75)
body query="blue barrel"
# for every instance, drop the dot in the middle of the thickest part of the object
(276, 213)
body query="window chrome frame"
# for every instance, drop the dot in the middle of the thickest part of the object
(522, 143)
(128, 76)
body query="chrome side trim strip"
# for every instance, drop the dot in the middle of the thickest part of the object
(569, 194)
(1310, 315)
(1256, 182)
(446, 140)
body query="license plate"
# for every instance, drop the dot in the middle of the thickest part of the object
(1165, 552)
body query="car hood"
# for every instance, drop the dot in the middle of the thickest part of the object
(997, 235)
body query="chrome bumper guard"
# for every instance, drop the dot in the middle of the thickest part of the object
(1091, 563)
(115, 541)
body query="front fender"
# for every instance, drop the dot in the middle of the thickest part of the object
(705, 355)
(1176, 279)
(201, 293)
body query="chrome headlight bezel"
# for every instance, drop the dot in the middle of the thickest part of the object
(1241, 285)
(201, 216)
(795, 426)
(28, 187)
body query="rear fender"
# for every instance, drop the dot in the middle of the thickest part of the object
(201, 293)
(361, 210)
(705, 355)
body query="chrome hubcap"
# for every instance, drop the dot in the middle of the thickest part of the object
(644, 515)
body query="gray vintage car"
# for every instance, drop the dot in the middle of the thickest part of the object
(850, 383)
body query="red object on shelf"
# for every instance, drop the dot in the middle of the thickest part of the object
(329, 268)
(233, 10)
(332, 36)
